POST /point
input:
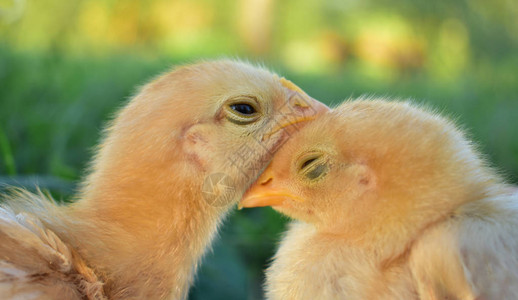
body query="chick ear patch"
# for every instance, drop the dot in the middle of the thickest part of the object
(364, 176)
(196, 145)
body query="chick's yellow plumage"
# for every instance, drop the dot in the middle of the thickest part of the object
(392, 202)
(172, 163)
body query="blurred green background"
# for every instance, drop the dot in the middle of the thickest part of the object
(66, 66)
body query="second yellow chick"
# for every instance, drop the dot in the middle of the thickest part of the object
(391, 202)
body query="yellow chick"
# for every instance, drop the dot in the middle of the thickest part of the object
(173, 162)
(391, 202)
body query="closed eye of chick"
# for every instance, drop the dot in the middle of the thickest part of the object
(390, 201)
(172, 163)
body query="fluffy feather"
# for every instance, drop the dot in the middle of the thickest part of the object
(37, 264)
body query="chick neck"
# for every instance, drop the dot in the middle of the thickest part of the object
(145, 234)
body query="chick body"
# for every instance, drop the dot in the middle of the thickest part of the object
(313, 265)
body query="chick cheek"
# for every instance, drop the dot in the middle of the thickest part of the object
(282, 137)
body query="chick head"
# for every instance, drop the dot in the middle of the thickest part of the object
(217, 122)
(369, 167)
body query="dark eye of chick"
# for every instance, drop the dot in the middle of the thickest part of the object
(317, 172)
(307, 162)
(243, 108)
(314, 167)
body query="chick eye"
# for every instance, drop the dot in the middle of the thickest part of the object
(243, 108)
(314, 167)
(316, 172)
(307, 163)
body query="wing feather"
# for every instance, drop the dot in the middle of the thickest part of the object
(36, 264)
(474, 255)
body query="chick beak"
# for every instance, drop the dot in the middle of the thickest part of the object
(265, 193)
(300, 107)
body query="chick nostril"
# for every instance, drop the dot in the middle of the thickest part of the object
(265, 182)
(298, 101)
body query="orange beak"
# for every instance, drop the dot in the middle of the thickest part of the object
(300, 107)
(264, 192)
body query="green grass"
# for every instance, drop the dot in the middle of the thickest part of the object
(53, 107)
(7, 154)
